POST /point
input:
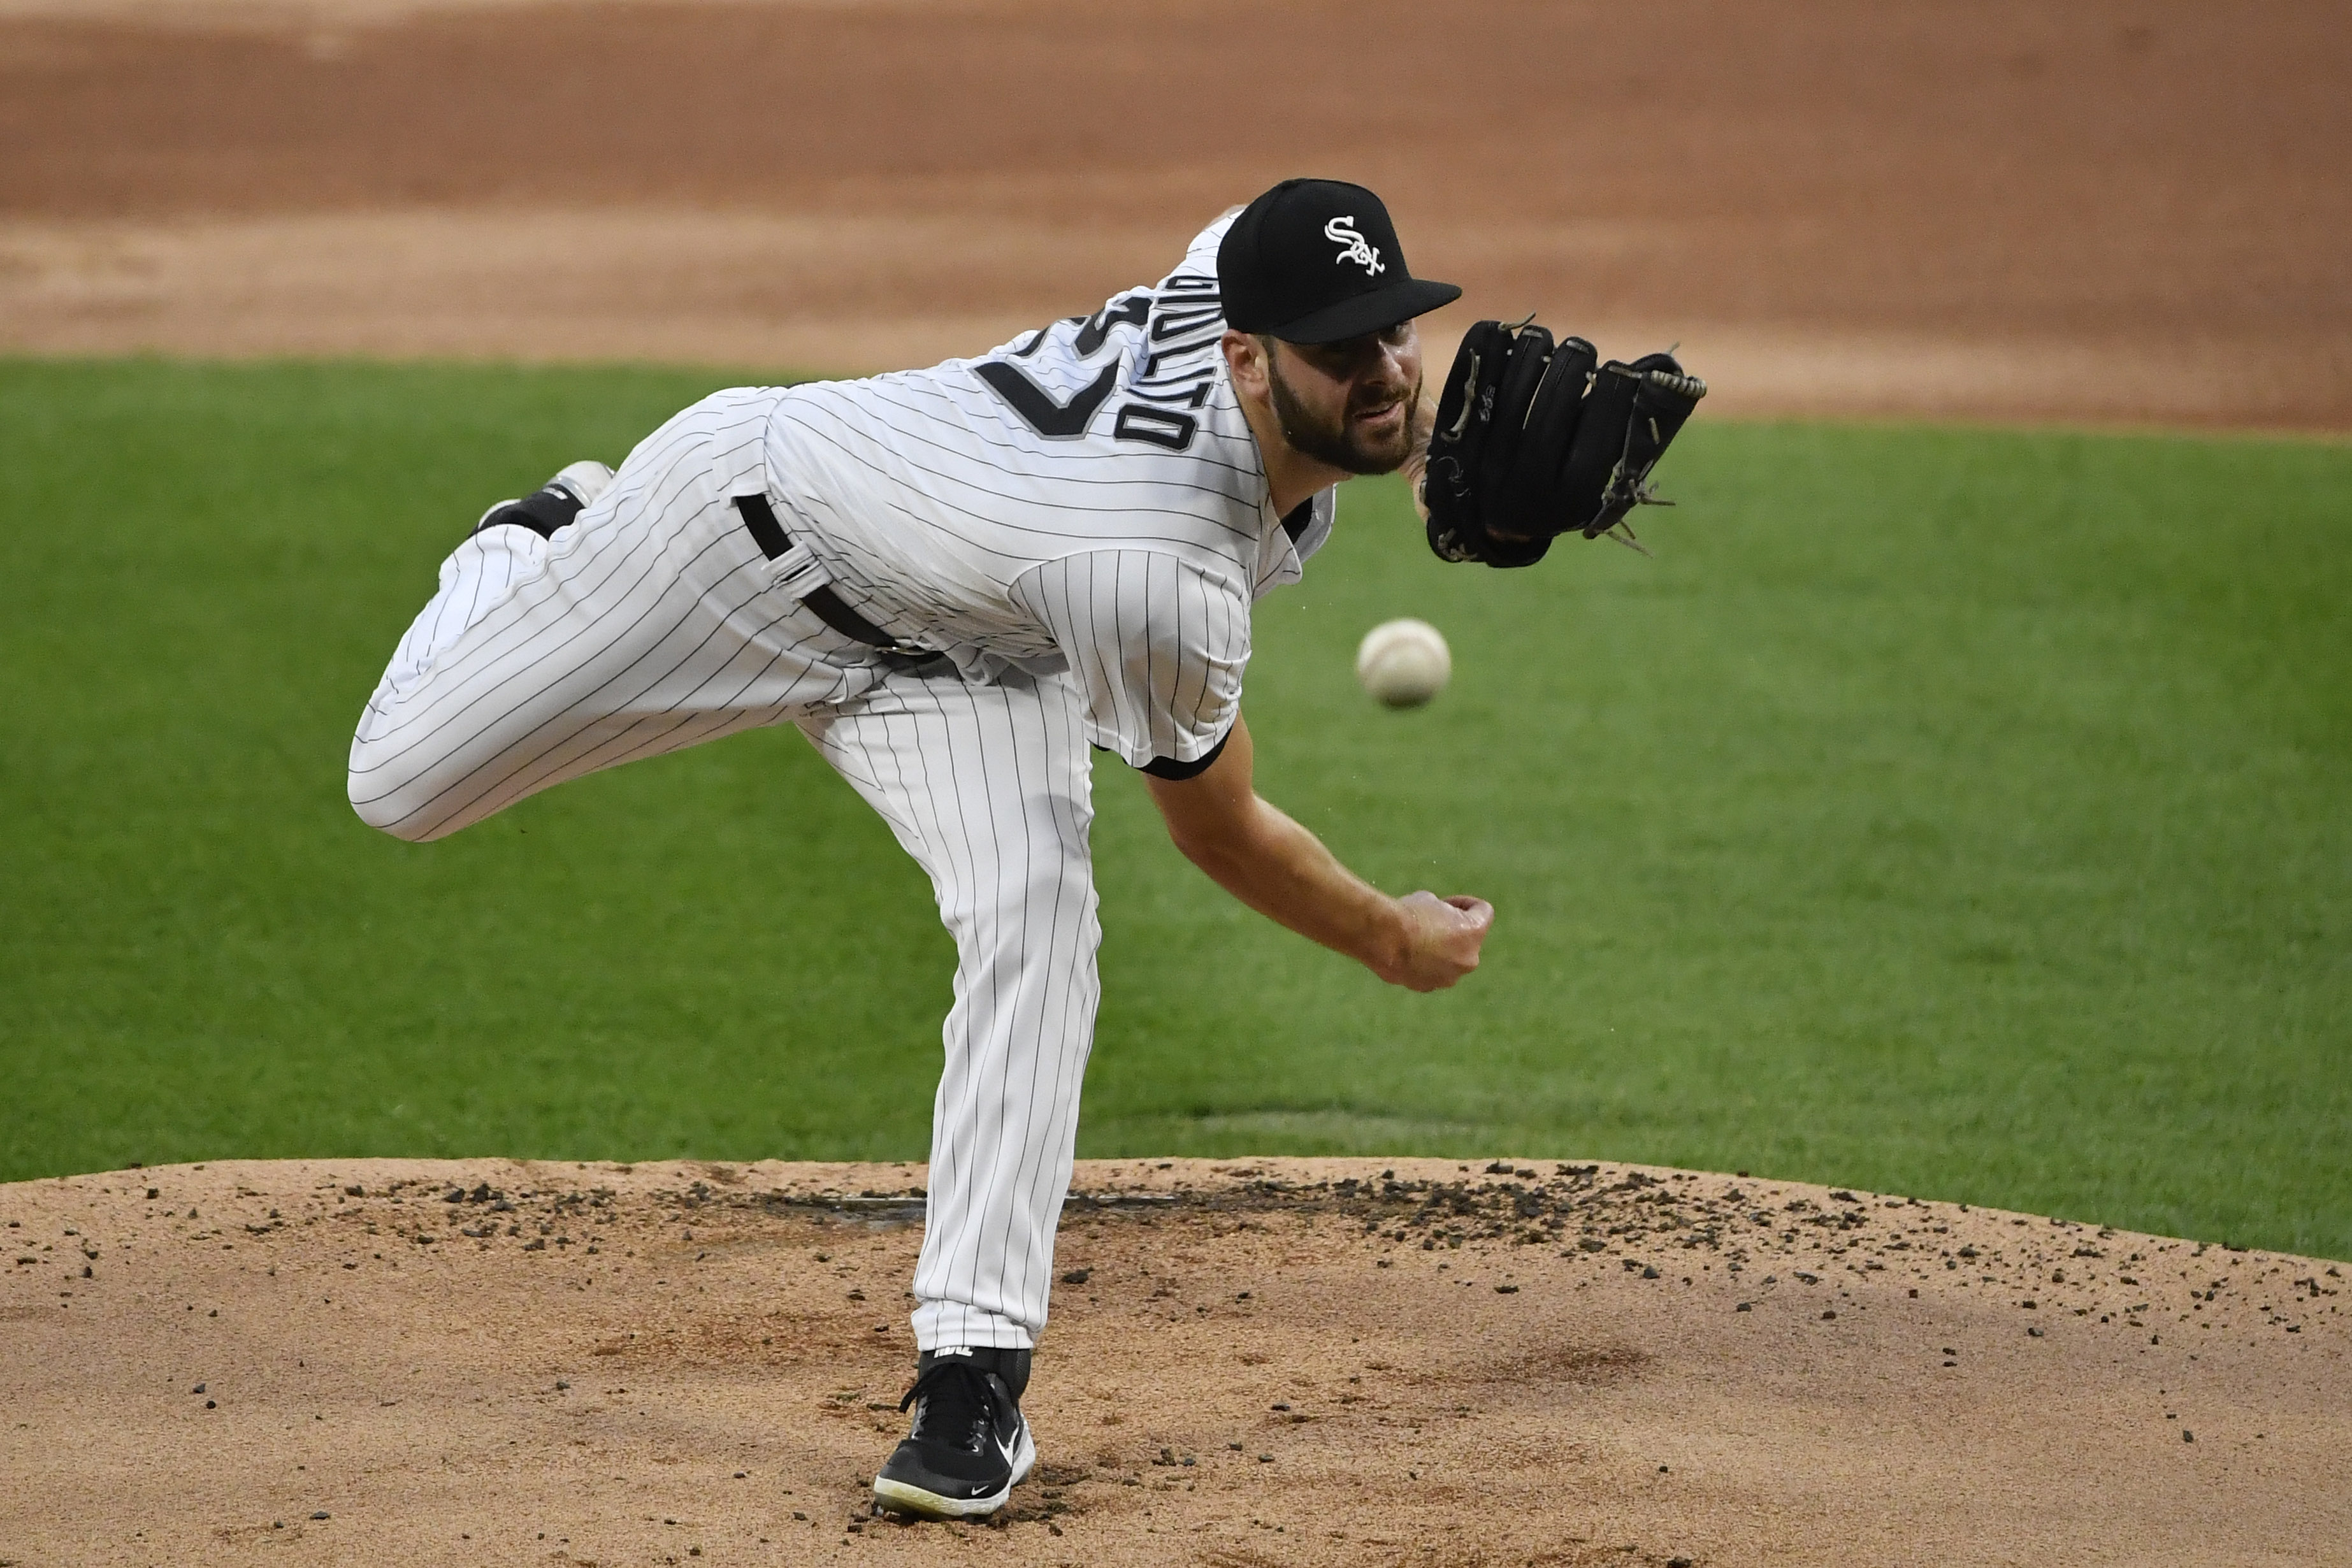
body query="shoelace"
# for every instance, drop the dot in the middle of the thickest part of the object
(958, 1405)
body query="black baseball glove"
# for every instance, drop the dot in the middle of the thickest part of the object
(1535, 439)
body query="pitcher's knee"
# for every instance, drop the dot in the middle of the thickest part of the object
(995, 918)
(389, 813)
(378, 796)
(1055, 874)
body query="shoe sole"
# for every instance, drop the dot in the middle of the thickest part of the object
(587, 480)
(900, 1496)
(584, 481)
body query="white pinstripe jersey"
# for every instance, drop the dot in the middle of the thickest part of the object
(1087, 493)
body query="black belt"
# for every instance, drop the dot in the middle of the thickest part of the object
(759, 521)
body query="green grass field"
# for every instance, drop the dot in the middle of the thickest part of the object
(1949, 812)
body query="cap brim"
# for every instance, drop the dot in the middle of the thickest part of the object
(1373, 312)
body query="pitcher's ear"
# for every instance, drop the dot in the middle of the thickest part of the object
(1246, 360)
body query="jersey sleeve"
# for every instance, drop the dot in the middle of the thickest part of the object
(1157, 642)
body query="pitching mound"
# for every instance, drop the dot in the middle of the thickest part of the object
(1271, 1362)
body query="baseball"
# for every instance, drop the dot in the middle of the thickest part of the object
(1403, 663)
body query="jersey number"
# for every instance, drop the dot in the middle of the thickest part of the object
(1036, 405)
(1067, 421)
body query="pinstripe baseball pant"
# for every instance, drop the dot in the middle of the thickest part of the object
(653, 623)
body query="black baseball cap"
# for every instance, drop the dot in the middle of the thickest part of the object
(1314, 261)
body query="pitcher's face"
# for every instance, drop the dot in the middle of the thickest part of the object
(1349, 403)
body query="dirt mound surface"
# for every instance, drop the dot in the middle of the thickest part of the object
(2112, 210)
(1271, 1362)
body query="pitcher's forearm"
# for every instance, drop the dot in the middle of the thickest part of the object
(1284, 873)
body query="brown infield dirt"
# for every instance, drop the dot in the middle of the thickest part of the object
(1251, 1362)
(2107, 211)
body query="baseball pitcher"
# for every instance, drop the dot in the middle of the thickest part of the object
(958, 582)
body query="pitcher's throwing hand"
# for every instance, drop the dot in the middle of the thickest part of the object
(1447, 935)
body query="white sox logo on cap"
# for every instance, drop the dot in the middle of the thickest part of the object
(1353, 246)
(1276, 279)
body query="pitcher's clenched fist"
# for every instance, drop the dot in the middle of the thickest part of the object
(1444, 939)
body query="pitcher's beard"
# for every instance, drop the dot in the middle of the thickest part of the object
(1337, 445)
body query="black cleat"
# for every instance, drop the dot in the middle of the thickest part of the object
(971, 1443)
